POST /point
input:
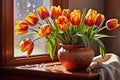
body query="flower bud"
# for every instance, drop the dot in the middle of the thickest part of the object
(99, 19)
(26, 45)
(66, 12)
(55, 12)
(21, 27)
(75, 17)
(31, 19)
(112, 24)
(90, 17)
(45, 30)
(43, 12)
(62, 23)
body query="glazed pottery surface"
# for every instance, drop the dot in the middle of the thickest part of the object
(75, 57)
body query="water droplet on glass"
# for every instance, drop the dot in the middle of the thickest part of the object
(28, 4)
(18, 4)
(34, 6)
(33, 10)
(20, 15)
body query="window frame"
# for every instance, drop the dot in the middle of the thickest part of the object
(7, 48)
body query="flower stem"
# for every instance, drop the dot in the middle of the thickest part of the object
(33, 30)
(39, 23)
(47, 20)
(101, 29)
(37, 39)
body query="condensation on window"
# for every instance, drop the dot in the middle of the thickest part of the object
(22, 9)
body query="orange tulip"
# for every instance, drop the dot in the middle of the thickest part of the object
(31, 19)
(99, 19)
(62, 23)
(43, 12)
(21, 27)
(66, 12)
(90, 17)
(75, 17)
(112, 24)
(55, 12)
(26, 45)
(45, 30)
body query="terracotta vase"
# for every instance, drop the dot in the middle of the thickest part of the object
(75, 57)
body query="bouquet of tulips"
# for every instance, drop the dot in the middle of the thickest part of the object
(66, 27)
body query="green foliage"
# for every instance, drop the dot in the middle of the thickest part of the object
(51, 44)
(77, 35)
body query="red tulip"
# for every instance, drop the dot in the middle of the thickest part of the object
(66, 12)
(43, 12)
(26, 45)
(31, 19)
(62, 23)
(55, 12)
(45, 30)
(99, 19)
(112, 24)
(21, 27)
(75, 17)
(90, 17)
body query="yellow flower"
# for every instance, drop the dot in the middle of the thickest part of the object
(75, 17)
(55, 12)
(43, 12)
(31, 19)
(90, 17)
(62, 23)
(45, 30)
(21, 27)
(26, 45)
(112, 24)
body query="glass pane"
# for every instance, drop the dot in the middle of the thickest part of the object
(22, 9)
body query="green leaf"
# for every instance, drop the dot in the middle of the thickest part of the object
(101, 47)
(83, 16)
(28, 34)
(92, 34)
(84, 39)
(60, 37)
(102, 51)
(99, 27)
(51, 44)
(102, 35)
(55, 26)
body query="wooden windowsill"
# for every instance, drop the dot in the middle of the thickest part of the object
(52, 71)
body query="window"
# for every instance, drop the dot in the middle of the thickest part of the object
(22, 9)
(8, 57)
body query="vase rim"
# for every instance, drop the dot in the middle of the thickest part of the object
(71, 46)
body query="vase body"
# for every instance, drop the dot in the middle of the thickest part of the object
(75, 57)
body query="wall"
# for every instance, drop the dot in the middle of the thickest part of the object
(112, 10)
(93, 4)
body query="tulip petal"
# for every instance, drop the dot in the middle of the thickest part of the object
(112, 24)
(31, 19)
(43, 12)
(75, 17)
(21, 27)
(45, 30)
